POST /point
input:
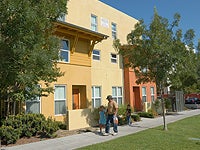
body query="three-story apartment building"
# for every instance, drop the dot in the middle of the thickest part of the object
(92, 67)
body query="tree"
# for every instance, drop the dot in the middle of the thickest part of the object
(158, 53)
(28, 49)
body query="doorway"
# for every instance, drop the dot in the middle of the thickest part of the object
(137, 100)
(75, 98)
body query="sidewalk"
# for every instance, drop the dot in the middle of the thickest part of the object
(89, 138)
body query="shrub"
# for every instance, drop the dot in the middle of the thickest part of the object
(50, 127)
(122, 110)
(146, 114)
(121, 120)
(95, 115)
(61, 125)
(153, 112)
(27, 125)
(9, 135)
(135, 117)
(168, 103)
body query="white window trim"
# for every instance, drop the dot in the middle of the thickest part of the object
(118, 96)
(96, 55)
(60, 99)
(114, 31)
(152, 94)
(93, 98)
(112, 58)
(144, 94)
(66, 51)
(94, 24)
(36, 101)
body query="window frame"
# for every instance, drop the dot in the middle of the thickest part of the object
(152, 94)
(62, 17)
(144, 94)
(96, 55)
(113, 59)
(94, 97)
(65, 50)
(94, 25)
(116, 96)
(60, 100)
(114, 30)
(36, 99)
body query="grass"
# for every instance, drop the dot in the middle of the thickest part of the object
(181, 135)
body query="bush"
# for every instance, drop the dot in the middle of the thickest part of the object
(135, 117)
(27, 125)
(146, 114)
(9, 135)
(50, 127)
(168, 103)
(61, 125)
(95, 115)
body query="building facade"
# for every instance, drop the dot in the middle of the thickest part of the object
(92, 67)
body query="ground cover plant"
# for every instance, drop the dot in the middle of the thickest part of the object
(181, 135)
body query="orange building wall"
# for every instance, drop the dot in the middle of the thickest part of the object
(133, 91)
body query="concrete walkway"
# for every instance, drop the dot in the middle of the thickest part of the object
(89, 138)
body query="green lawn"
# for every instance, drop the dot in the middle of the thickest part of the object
(181, 135)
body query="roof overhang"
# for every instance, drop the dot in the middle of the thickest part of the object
(79, 32)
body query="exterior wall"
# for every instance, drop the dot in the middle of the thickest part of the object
(82, 72)
(131, 98)
(77, 75)
(104, 73)
(74, 75)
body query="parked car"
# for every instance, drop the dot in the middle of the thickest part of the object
(192, 100)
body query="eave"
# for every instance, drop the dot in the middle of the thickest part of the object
(79, 32)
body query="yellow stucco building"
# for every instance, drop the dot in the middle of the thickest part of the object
(92, 67)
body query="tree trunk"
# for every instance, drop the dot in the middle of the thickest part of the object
(163, 110)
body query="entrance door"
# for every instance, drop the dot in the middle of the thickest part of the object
(75, 96)
(138, 102)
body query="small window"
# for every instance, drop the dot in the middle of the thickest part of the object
(114, 31)
(113, 58)
(96, 55)
(144, 94)
(33, 105)
(60, 99)
(64, 51)
(96, 96)
(117, 94)
(62, 18)
(93, 23)
(152, 94)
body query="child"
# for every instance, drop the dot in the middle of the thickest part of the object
(102, 118)
(128, 114)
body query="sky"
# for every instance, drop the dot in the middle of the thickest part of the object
(144, 9)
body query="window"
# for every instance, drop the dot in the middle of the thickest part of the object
(144, 94)
(152, 94)
(60, 99)
(117, 94)
(113, 58)
(64, 51)
(33, 105)
(93, 23)
(96, 96)
(96, 54)
(114, 31)
(62, 18)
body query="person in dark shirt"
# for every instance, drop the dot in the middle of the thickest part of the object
(128, 114)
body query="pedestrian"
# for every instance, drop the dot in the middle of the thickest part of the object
(111, 115)
(128, 114)
(102, 118)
